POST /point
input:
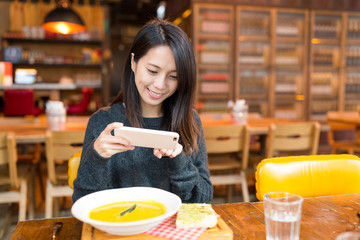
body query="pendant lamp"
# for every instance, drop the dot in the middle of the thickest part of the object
(63, 19)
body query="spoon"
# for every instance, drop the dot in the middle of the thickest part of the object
(56, 228)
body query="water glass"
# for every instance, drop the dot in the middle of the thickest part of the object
(282, 215)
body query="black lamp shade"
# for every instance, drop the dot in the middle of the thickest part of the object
(63, 20)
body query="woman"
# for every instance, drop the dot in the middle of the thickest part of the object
(158, 92)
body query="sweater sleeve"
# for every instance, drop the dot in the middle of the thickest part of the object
(189, 174)
(93, 174)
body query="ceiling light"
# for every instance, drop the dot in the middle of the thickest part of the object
(63, 19)
(161, 10)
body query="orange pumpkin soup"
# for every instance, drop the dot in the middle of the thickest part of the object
(128, 211)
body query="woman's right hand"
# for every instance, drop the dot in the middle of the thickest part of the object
(107, 144)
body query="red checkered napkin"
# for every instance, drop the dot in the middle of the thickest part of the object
(167, 229)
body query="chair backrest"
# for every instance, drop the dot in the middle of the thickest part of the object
(18, 102)
(291, 137)
(60, 147)
(342, 131)
(86, 93)
(83, 105)
(228, 139)
(309, 176)
(8, 159)
(73, 166)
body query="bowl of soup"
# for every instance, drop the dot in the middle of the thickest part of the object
(126, 211)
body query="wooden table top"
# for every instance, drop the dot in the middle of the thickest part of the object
(344, 117)
(322, 218)
(32, 130)
(257, 125)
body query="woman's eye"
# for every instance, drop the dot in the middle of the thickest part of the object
(151, 71)
(174, 77)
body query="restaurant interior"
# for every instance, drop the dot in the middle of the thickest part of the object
(275, 78)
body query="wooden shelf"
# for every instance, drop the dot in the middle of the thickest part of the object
(57, 65)
(55, 59)
(253, 67)
(213, 36)
(254, 39)
(324, 41)
(290, 40)
(353, 42)
(52, 41)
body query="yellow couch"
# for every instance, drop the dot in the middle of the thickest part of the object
(309, 176)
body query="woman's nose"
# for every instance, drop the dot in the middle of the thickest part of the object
(160, 82)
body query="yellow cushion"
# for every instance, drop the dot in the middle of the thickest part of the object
(73, 166)
(309, 176)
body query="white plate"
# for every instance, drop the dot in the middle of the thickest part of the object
(84, 205)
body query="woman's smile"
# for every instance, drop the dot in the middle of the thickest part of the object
(154, 94)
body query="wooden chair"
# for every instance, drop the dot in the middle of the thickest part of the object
(224, 145)
(60, 147)
(13, 188)
(309, 176)
(28, 155)
(343, 136)
(292, 138)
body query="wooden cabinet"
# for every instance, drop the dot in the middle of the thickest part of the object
(267, 61)
(351, 61)
(286, 63)
(271, 60)
(57, 59)
(213, 41)
(252, 59)
(289, 61)
(334, 63)
(325, 63)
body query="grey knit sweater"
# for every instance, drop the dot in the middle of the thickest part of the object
(185, 175)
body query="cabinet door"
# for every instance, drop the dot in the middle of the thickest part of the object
(290, 64)
(253, 46)
(213, 44)
(325, 64)
(352, 63)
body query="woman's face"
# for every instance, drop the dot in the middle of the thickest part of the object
(155, 79)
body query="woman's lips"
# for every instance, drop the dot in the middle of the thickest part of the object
(154, 94)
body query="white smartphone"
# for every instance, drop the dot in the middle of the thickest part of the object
(142, 137)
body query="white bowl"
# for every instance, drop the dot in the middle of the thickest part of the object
(84, 205)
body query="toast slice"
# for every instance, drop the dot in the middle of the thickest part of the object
(196, 215)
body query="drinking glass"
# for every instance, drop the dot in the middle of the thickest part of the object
(282, 215)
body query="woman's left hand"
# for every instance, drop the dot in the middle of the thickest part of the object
(159, 153)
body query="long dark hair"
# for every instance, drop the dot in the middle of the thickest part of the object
(178, 109)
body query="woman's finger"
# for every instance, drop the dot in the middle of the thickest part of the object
(110, 127)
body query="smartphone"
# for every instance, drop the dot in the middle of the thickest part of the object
(149, 138)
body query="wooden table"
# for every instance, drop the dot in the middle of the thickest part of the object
(345, 117)
(322, 218)
(257, 125)
(33, 129)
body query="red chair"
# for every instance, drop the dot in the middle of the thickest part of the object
(20, 102)
(83, 106)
